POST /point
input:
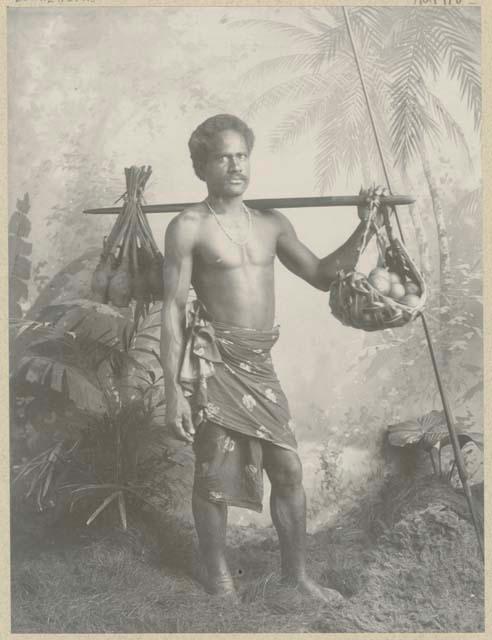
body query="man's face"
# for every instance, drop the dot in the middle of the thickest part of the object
(226, 170)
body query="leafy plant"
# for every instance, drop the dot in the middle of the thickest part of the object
(88, 358)
(41, 470)
(111, 448)
(430, 433)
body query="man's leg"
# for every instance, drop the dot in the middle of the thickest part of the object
(288, 508)
(211, 523)
(211, 517)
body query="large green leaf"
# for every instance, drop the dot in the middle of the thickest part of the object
(144, 370)
(37, 373)
(62, 351)
(38, 376)
(428, 431)
(71, 283)
(457, 46)
(83, 318)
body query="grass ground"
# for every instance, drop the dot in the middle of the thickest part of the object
(405, 560)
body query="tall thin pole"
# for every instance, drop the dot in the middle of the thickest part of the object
(447, 410)
(371, 115)
(269, 203)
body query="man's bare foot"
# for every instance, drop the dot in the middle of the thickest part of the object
(222, 586)
(308, 587)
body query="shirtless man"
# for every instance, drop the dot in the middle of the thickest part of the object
(226, 252)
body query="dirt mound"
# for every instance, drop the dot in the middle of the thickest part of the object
(413, 563)
(405, 560)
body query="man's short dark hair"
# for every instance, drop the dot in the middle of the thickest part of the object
(200, 142)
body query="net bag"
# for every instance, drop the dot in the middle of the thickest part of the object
(393, 294)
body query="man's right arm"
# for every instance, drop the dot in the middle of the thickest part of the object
(178, 264)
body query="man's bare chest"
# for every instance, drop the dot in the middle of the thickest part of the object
(229, 248)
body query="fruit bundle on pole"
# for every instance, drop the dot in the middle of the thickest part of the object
(130, 267)
(393, 293)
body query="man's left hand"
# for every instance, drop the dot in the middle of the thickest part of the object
(372, 195)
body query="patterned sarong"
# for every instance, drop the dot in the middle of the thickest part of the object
(227, 374)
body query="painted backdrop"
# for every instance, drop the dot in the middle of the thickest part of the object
(93, 90)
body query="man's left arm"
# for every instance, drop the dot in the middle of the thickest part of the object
(318, 272)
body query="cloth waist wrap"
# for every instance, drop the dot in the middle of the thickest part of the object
(228, 376)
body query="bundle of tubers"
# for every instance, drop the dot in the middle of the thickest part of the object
(130, 266)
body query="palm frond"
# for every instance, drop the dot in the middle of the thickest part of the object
(410, 125)
(332, 17)
(452, 128)
(327, 159)
(294, 32)
(312, 113)
(333, 43)
(106, 502)
(122, 509)
(346, 130)
(354, 108)
(301, 62)
(412, 50)
(379, 98)
(471, 204)
(467, 20)
(292, 89)
(463, 64)
(323, 45)
(371, 25)
(298, 122)
(412, 55)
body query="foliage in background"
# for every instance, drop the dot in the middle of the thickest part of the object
(88, 381)
(20, 251)
(392, 370)
(423, 573)
(404, 52)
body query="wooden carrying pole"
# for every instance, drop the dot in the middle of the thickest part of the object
(271, 203)
(447, 410)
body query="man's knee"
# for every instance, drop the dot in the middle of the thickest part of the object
(284, 470)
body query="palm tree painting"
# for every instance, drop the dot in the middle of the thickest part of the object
(404, 53)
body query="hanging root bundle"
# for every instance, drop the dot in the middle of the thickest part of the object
(130, 266)
(393, 294)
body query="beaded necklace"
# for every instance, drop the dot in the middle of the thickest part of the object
(239, 243)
